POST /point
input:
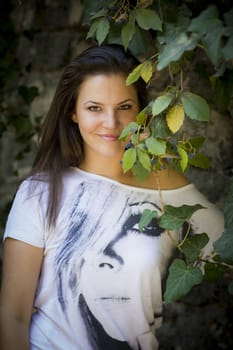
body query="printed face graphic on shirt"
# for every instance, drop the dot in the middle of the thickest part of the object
(106, 267)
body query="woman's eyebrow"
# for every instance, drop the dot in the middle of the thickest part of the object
(143, 204)
(127, 100)
(93, 102)
(119, 103)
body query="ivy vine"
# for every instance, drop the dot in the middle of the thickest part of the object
(168, 38)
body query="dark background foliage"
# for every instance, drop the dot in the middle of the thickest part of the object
(39, 37)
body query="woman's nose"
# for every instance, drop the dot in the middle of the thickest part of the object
(106, 263)
(110, 119)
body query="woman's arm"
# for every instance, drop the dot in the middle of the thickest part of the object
(21, 269)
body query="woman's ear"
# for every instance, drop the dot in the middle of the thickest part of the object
(74, 118)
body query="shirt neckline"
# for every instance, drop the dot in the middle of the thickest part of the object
(130, 187)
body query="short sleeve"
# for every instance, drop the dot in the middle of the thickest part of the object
(25, 220)
(208, 220)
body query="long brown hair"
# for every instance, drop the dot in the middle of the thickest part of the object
(61, 144)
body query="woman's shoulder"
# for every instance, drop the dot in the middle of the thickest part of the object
(170, 178)
(31, 187)
(166, 179)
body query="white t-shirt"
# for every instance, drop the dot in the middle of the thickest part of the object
(100, 284)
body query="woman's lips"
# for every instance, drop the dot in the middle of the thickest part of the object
(109, 137)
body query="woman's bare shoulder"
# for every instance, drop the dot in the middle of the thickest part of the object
(165, 180)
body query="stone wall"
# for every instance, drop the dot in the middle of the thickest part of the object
(50, 34)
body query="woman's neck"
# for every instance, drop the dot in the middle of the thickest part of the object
(164, 179)
(108, 167)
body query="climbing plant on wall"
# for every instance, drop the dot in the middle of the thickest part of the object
(14, 117)
(168, 38)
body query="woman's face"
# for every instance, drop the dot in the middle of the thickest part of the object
(105, 105)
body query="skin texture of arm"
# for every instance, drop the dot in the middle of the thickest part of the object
(21, 269)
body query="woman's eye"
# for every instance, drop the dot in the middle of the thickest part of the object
(125, 107)
(152, 229)
(135, 228)
(94, 108)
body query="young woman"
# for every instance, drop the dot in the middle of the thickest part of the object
(78, 273)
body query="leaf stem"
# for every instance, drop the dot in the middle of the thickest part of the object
(159, 189)
(172, 239)
(181, 80)
(185, 237)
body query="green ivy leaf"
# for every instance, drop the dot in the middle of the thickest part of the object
(224, 245)
(173, 50)
(146, 71)
(101, 13)
(197, 142)
(139, 43)
(195, 106)
(206, 21)
(155, 146)
(210, 28)
(200, 161)
(228, 49)
(213, 44)
(141, 117)
(185, 211)
(192, 246)
(159, 128)
(91, 8)
(143, 70)
(181, 280)
(214, 271)
(134, 75)
(131, 128)
(183, 158)
(170, 222)
(161, 103)
(128, 31)
(140, 172)
(129, 158)
(144, 159)
(174, 217)
(146, 218)
(148, 19)
(92, 30)
(102, 30)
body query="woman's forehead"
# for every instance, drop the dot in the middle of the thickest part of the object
(103, 84)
